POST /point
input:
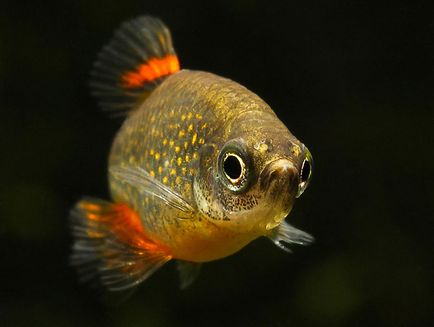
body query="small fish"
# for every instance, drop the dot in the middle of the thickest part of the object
(200, 168)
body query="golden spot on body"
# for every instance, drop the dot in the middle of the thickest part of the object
(157, 156)
(177, 149)
(198, 116)
(183, 117)
(185, 145)
(171, 143)
(190, 127)
(178, 180)
(160, 169)
(172, 171)
(181, 133)
(192, 171)
(152, 173)
(165, 141)
(263, 147)
(189, 115)
(166, 163)
(179, 161)
(164, 154)
(165, 180)
(195, 155)
(295, 150)
(184, 171)
(204, 126)
(193, 140)
(201, 141)
(187, 158)
(151, 152)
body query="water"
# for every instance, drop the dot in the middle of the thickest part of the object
(352, 81)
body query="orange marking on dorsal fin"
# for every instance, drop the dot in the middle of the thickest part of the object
(151, 70)
(125, 224)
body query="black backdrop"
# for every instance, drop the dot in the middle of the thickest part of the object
(352, 79)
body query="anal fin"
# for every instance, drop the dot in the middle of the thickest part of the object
(285, 234)
(111, 244)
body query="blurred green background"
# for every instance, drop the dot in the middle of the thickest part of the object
(352, 79)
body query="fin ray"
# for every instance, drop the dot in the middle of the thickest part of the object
(285, 234)
(111, 244)
(138, 57)
(144, 182)
(188, 272)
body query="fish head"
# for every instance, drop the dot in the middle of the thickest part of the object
(249, 179)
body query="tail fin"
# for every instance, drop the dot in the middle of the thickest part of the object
(111, 244)
(136, 60)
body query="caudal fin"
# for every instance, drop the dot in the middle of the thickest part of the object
(111, 245)
(136, 60)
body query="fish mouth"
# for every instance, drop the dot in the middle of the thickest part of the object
(279, 182)
(280, 175)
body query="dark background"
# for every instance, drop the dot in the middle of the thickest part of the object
(352, 79)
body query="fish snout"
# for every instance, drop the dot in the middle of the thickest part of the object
(279, 176)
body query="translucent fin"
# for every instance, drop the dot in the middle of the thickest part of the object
(111, 245)
(285, 234)
(145, 183)
(188, 272)
(139, 56)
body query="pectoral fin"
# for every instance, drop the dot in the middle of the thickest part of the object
(285, 234)
(140, 179)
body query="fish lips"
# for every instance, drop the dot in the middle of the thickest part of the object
(279, 181)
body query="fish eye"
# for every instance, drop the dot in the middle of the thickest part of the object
(305, 173)
(234, 166)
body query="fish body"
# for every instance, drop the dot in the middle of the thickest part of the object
(200, 167)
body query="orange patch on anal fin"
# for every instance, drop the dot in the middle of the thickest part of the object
(124, 223)
(111, 242)
(151, 70)
(128, 227)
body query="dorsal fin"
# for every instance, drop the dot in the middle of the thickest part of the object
(136, 60)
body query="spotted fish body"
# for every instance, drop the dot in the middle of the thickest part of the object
(201, 167)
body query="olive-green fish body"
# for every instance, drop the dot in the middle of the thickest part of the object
(189, 114)
(200, 167)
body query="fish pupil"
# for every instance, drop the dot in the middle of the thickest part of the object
(305, 171)
(232, 167)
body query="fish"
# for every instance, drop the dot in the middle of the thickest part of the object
(200, 167)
